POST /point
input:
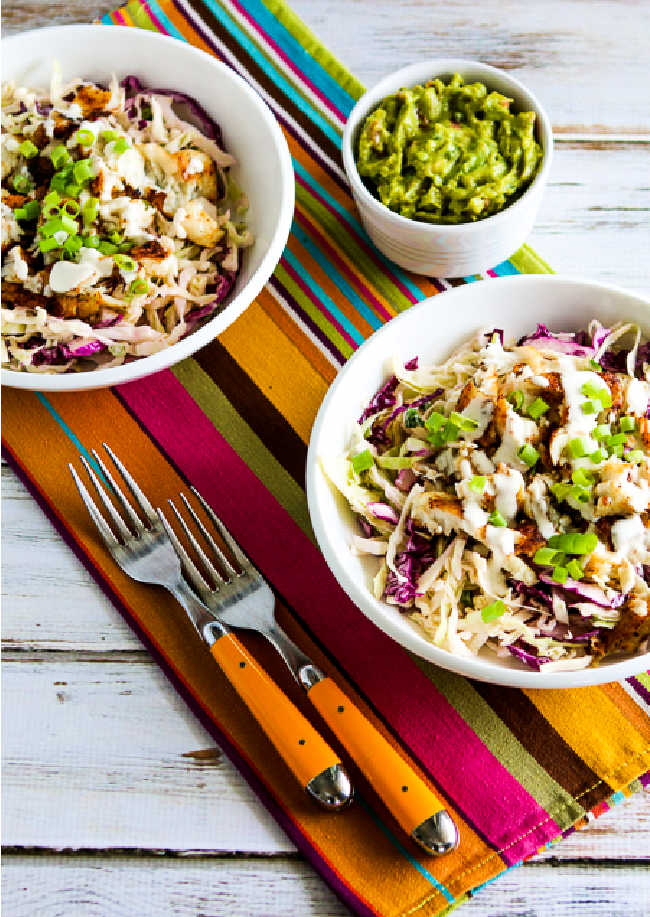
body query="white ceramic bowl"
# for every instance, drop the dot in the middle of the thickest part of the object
(441, 250)
(250, 132)
(432, 329)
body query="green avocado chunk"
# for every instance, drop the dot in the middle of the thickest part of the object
(448, 152)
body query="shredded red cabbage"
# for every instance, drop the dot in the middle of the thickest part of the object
(383, 511)
(208, 126)
(382, 399)
(411, 364)
(572, 344)
(586, 591)
(530, 658)
(405, 480)
(410, 563)
(535, 593)
(365, 527)
(61, 353)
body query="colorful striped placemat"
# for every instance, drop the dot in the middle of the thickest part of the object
(518, 769)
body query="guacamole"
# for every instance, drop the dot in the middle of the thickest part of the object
(448, 152)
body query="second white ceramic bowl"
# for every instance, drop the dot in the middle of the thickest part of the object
(432, 329)
(447, 250)
(250, 132)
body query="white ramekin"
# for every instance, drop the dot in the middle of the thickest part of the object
(464, 248)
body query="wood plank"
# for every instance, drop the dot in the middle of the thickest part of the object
(594, 220)
(110, 757)
(99, 886)
(106, 754)
(549, 47)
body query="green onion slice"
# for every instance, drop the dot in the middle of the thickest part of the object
(635, 456)
(28, 149)
(85, 138)
(545, 556)
(493, 611)
(537, 408)
(528, 454)
(560, 574)
(362, 461)
(434, 421)
(495, 518)
(627, 424)
(124, 262)
(516, 399)
(59, 156)
(139, 286)
(462, 422)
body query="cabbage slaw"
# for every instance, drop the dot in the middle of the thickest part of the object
(122, 229)
(506, 495)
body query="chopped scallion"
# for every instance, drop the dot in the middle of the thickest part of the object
(635, 456)
(83, 171)
(560, 574)
(85, 138)
(124, 262)
(434, 421)
(576, 448)
(462, 422)
(28, 149)
(22, 184)
(516, 399)
(574, 569)
(627, 424)
(545, 556)
(412, 418)
(582, 477)
(59, 156)
(537, 408)
(139, 286)
(528, 454)
(362, 461)
(496, 519)
(493, 611)
(477, 483)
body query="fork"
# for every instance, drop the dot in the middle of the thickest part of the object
(145, 553)
(243, 599)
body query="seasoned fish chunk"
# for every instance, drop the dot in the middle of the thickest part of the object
(630, 631)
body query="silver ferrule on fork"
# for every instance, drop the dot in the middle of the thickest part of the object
(209, 627)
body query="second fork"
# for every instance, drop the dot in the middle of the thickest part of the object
(245, 600)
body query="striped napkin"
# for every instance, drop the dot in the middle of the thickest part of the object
(518, 769)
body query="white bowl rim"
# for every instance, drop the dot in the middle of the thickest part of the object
(439, 65)
(145, 366)
(474, 667)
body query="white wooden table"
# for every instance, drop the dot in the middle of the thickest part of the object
(116, 801)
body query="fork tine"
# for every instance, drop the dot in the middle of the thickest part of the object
(118, 522)
(109, 538)
(135, 520)
(239, 555)
(138, 496)
(223, 560)
(205, 560)
(190, 569)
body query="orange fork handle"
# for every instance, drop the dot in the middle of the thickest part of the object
(301, 747)
(405, 793)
